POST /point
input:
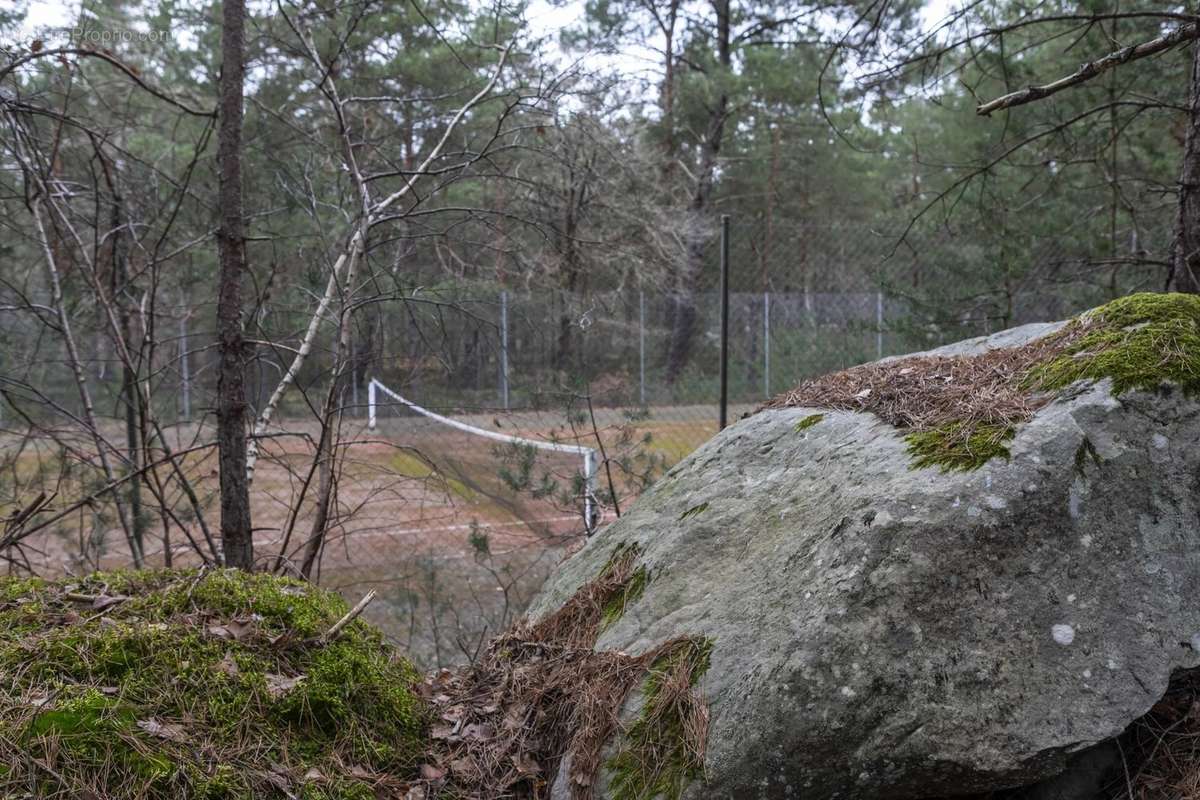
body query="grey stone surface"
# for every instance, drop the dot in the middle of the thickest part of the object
(895, 633)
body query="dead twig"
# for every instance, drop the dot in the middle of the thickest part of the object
(333, 632)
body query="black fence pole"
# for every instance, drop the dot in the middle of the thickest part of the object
(724, 321)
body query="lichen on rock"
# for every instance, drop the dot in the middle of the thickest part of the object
(808, 422)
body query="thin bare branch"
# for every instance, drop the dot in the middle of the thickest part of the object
(1184, 33)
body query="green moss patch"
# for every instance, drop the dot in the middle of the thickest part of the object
(808, 422)
(959, 446)
(631, 592)
(958, 412)
(620, 583)
(658, 756)
(1140, 342)
(225, 685)
(197, 684)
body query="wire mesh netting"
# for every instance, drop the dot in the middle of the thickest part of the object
(454, 528)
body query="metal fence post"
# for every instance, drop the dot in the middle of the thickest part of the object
(371, 405)
(724, 321)
(353, 382)
(504, 348)
(642, 346)
(767, 344)
(879, 324)
(185, 376)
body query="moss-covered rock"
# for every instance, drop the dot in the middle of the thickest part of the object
(885, 632)
(208, 684)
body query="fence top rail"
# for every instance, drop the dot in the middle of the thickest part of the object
(540, 444)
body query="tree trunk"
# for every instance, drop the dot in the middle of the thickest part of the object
(683, 328)
(236, 532)
(331, 420)
(568, 274)
(1185, 266)
(667, 94)
(130, 397)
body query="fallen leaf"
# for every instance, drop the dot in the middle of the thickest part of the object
(163, 730)
(233, 629)
(38, 700)
(279, 685)
(105, 600)
(314, 774)
(515, 718)
(454, 713)
(479, 732)
(431, 773)
(526, 765)
(228, 665)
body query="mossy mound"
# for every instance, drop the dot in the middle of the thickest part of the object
(212, 684)
(959, 412)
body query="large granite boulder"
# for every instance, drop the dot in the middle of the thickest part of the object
(883, 630)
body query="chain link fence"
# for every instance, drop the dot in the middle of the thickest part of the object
(443, 505)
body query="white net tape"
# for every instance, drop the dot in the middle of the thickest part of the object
(590, 510)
